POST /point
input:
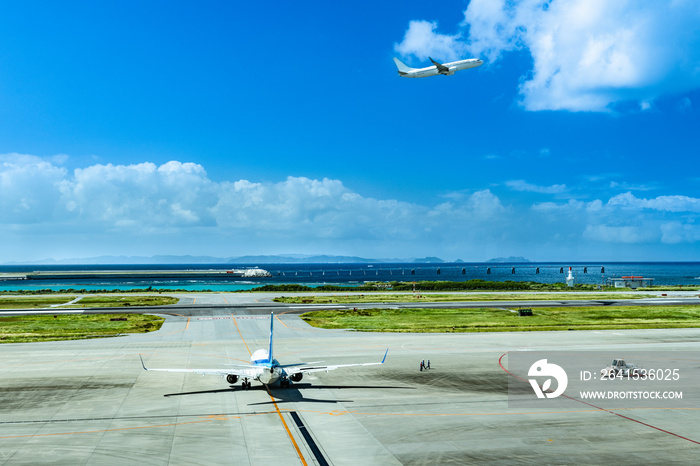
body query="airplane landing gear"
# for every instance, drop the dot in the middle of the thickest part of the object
(246, 385)
(284, 383)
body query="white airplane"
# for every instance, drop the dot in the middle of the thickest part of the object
(265, 369)
(447, 69)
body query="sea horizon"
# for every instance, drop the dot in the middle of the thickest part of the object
(346, 274)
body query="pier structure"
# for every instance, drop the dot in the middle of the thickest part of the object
(136, 274)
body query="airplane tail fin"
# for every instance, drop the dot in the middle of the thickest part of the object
(269, 352)
(403, 68)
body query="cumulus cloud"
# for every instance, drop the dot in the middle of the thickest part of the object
(120, 202)
(422, 41)
(627, 219)
(29, 187)
(588, 55)
(142, 195)
(176, 208)
(660, 203)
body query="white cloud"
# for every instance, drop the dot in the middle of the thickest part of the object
(629, 186)
(423, 41)
(175, 208)
(522, 185)
(141, 195)
(29, 187)
(485, 205)
(572, 205)
(677, 232)
(587, 55)
(661, 203)
(114, 204)
(626, 219)
(628, 234)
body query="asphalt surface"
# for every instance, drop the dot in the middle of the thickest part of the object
(91, 402)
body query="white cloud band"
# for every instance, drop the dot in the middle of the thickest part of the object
(175, 207)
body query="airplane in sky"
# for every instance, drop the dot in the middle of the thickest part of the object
(447, 69)
(265, 369)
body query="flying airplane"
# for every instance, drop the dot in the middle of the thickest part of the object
(447, 69)
(265, 369)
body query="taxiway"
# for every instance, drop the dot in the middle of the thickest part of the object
(90, 402)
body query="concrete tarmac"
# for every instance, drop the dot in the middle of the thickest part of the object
(90, 402)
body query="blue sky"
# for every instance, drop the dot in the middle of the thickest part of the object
(217, 128)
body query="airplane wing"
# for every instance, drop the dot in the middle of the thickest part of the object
(441, 68)
(312, 368)
(239, 370)
(300, 364)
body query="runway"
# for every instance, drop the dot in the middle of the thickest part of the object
(90, 402)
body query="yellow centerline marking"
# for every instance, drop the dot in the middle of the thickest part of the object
(279, 413)
(280, 321)
(233, 317)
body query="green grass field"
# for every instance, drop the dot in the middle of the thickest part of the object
(32, 302)
(123, 301)
(452, 297)
(40, 302)
(498, 320)
(23, 329)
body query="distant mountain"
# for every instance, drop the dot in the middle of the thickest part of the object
(187, 259)
(428, 260)
(300, 259)
(508, 259)
(127, 260)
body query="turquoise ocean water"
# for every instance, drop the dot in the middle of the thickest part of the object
(663, 273)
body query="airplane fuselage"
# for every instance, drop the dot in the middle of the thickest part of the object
(267, 371)
(270, 373)
(433, 70)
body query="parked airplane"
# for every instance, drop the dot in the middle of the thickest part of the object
(447, 69)
(265, 369)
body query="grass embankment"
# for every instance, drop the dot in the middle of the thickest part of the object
(24, 329)
(40, 302)
(82, 291)
(123, 301)
(442, 285)
(670, 288)
(499, 320)
(33, 302)
(430, 298)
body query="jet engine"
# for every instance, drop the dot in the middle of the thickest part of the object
(296, 377)
(232, 378)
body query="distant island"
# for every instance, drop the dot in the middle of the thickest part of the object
(428, 260)
(248, 260)
(509, 259)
